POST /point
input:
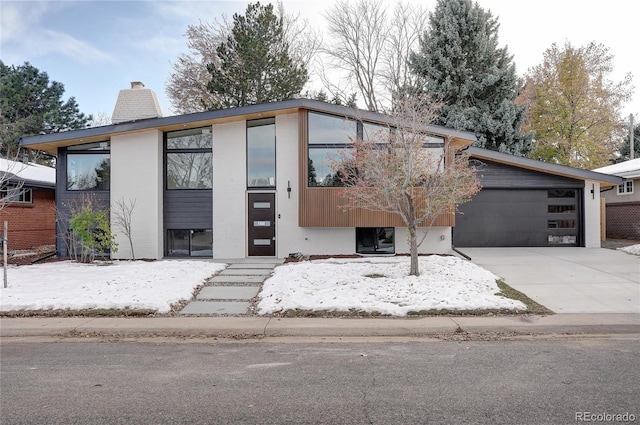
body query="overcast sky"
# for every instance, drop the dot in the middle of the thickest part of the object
(95, 48)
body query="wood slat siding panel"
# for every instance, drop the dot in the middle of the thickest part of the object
(321, 206)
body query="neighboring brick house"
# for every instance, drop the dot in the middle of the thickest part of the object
(27, 203)
(623, 202)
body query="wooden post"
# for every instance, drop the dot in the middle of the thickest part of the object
(4, 250)
(603, 219)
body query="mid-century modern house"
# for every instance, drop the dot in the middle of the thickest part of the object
(257, 181)
(28, 204)
(623, 202)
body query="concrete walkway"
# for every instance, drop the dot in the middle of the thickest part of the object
(231, 291)
(568, 280)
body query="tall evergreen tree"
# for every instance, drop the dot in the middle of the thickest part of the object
(254, 62)
(30, 105)
(460, 63)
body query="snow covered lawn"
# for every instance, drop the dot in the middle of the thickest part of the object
(372, 285)
(124, 284)
(342, 284)
(632, 249)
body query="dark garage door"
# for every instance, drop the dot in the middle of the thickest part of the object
(516, 217)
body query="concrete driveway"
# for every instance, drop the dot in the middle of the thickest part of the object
(568, 280)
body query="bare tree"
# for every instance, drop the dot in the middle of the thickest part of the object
(369, 48)
(11, 184)
(99, 119)
(186, 86)
(395, 171)
(121, 218)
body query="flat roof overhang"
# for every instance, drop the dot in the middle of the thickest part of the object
(51, 142)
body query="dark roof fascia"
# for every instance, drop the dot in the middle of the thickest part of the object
(545, 167)
(149, 123)
(12, 179)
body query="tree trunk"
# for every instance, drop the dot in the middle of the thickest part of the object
(413, 249)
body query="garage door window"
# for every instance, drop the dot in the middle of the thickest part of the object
(562, 217)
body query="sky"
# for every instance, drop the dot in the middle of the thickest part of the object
(96, 48)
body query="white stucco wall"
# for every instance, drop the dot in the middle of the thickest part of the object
(288, 235)
(437, 241)
(591, 214)
(136, 174)
(229, 190)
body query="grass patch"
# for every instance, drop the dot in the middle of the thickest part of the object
(329, 313)
(532, 306)
(374, 275)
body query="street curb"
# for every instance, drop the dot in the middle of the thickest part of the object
(257, 327)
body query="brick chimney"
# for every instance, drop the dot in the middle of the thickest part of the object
(136, 103)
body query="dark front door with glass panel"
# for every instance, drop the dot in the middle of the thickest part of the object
(262, 227)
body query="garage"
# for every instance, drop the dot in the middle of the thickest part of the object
(524, 203)
(513, 217)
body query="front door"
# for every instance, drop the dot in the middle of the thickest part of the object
(262, 226)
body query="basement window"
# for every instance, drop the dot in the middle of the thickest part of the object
(375, 240)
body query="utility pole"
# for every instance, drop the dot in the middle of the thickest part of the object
(631, 147)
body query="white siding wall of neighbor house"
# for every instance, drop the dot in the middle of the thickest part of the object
(136, 174)
(591, 214)
(613, 197)
(229, 190)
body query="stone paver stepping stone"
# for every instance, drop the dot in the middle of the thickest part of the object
(245, 272)
(237, 279)
(215, 307)
(228, 292)
(267, 266)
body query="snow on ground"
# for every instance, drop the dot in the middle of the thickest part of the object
(342, 284)
(333, 285)
(134, 284)
(632, 249)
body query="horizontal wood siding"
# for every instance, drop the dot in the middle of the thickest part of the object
(322, 206)
(494, 175)
(188, 209)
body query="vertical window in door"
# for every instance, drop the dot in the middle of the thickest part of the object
(261, 153)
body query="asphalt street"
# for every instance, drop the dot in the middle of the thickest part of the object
(518, 381)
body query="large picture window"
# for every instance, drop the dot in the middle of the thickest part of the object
(261, 153)
(189, 159)
(328, 136)
(88, 171)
